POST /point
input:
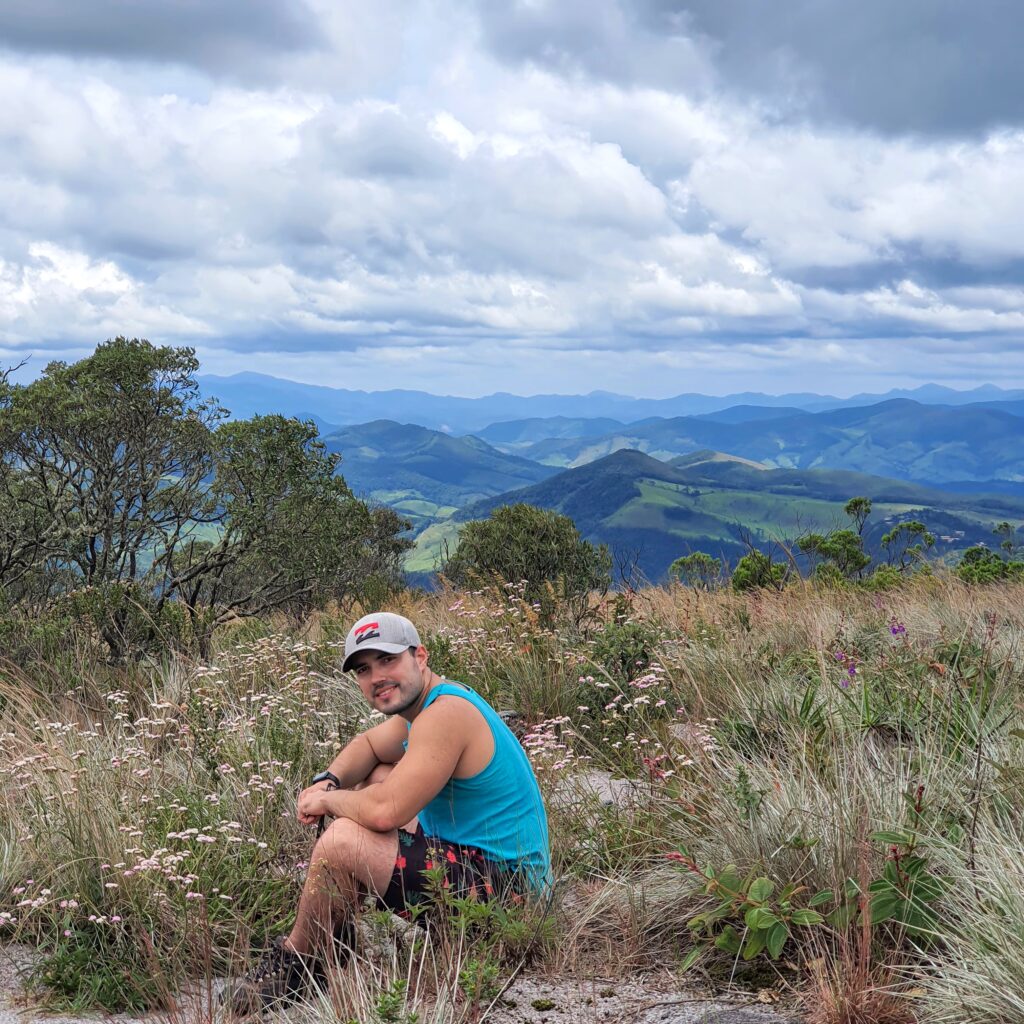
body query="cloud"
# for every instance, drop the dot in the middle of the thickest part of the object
(611, 40)
(482, 191)
(61, 290)
(928, 66)
(233, 36)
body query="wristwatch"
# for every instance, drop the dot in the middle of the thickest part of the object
(326, 777)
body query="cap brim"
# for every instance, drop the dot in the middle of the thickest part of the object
(372, 646)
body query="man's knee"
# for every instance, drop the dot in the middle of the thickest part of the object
(339, 843)
(380, 773)
(348, 849)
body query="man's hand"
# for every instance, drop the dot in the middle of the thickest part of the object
(312, 806)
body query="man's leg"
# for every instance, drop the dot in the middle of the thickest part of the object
(346, 860)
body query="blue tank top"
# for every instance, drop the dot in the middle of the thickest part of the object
(498, 811)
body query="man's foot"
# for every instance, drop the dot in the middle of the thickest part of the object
(278, 976)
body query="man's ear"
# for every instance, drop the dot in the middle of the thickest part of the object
(421, 657)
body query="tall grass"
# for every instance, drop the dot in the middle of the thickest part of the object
(774, 734)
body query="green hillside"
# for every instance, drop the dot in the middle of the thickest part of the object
(426, 474)
(712, 502)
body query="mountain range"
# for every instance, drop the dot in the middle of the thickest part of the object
(897, 438)
(424, 474)
(653, 484)
(248, 394)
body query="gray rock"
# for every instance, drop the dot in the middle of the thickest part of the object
(587, 787)
(698, 1012)
(739, 1016)
(689, 738)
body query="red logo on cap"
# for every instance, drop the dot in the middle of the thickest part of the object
(363, 632)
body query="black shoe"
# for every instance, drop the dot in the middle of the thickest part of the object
(344, 942)
(280, 975)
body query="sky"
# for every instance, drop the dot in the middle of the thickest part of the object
(647, 197)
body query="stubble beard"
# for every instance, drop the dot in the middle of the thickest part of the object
(409, 701)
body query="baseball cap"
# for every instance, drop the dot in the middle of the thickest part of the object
(379, 631)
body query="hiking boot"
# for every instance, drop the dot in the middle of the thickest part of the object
(280, 975)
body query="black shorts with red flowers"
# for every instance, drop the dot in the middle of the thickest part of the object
(429, 869)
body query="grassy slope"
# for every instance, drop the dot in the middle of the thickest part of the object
(427, 554)
(635, 503)
(425, 474)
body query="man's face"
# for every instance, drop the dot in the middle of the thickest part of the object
(392, 683)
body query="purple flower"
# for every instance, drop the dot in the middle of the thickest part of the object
(897, 628)
(850, 664)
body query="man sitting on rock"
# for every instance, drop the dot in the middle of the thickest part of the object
(443, 756)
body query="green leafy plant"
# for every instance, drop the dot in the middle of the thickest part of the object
(747, 797)
(625, 648)
(391, 1006)
(756, 571)
(908, 892)
(698, 570)
(749, 917)
(84, 965)
(480, 979)
(537, 547)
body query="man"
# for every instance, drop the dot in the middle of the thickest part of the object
(441, 792)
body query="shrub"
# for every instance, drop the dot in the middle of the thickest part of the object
(756, 570)
(698, 570)
(980, 565)
(625, 648)
(885, 577)
(538, 548)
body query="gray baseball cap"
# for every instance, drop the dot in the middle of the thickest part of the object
(379, 631)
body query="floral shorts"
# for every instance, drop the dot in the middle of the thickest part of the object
(426, 864)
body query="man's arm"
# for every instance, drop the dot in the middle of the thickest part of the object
(437, 741)
(380, 745)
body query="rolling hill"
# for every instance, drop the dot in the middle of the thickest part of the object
(898, 439)
(659, 511)
(425, 474)
(511, 434)
(749, 414)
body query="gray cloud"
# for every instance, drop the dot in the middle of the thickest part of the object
(233, 35)
(915, 66)
(929, 66)
(613, 40)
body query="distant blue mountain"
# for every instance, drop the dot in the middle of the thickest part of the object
(898, 438)
(926, 394)
(749, 414)
(246, 394)
(515, 433)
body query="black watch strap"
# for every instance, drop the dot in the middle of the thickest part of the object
(326, 777)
